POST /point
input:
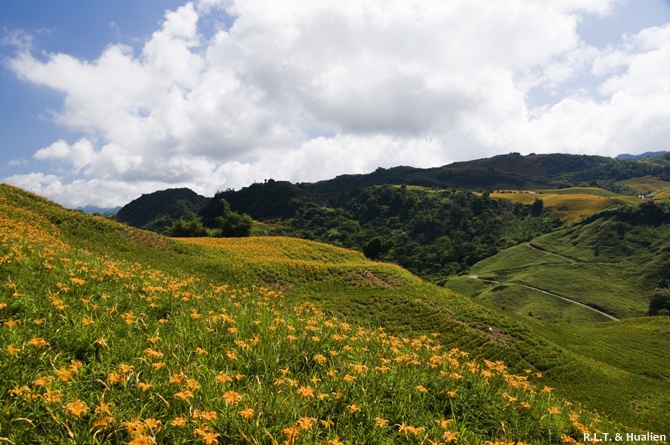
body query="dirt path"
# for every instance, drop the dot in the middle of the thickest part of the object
(539, 249)
(476, 277)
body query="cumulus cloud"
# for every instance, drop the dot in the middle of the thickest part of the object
(623, 113)
(308, 90)
(79, 155)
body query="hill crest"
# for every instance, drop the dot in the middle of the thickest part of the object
(158, 210)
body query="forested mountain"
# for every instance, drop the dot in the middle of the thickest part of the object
(510, 171)
(432, 233)
(648, 154)
(268, 200)
(157, 211)
(430, 221)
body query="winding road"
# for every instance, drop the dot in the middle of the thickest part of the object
(476, 277)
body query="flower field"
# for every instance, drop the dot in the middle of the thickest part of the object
(571, 204)
(97, 349)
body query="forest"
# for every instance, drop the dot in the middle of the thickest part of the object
(432, 233)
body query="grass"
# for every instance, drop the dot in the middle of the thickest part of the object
(606, 264)
(645, 339)
(570, 204)
(524, 301)
(380, 298)
(647, 185)
(114, 335)
(616, 287)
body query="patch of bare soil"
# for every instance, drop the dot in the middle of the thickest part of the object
(147, 238)
(368, 278)
(277, 286)
(496, 334)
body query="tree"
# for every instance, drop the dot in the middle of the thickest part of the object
(659, 301)
(536, 207)
(187, 229)
(233, 224)
(376, 247)
(501, 275)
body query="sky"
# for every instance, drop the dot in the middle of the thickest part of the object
(102, 101)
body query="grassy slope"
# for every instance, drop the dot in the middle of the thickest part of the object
(388, 296)
(339, 281)
(571, 204)
(646, 185)
(522, 300)
(617, 279)
(604, 264)
(615, 288)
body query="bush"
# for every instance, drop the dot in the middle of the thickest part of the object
(377, 247)
(187, 229)
(659, 302)
(232, 224)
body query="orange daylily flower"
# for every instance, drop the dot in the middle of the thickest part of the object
(305, 391)
(183, 395)
(76, 408)
(449, 436)
(38, 342)
(231, 397)
(144, 387)
(247, 413)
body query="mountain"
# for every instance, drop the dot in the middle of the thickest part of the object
(262, 201)
(648, 154)
(91, 209)
(276, 200)
(510, 171)
(157, 211)
(430, 224)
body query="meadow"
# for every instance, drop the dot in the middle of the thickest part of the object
(611, 287)
(647, 185)
(570, 204)
(110, 334)
(608, 265)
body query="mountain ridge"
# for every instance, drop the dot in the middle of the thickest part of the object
(501, 172)
(647, 154)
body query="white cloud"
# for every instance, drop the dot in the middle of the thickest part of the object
(17, 162)
(80, 154)
(17, 38)
(625, 114)
(390, 82)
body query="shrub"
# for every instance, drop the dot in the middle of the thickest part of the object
(659, 302)
(185, 229)
(233, 224)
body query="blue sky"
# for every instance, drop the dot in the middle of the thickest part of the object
(103, 100)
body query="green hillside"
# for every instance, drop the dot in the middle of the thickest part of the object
(274, 200)
(612, 261)
(112, 335)
(159, 210)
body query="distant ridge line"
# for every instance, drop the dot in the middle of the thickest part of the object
(648, 154)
